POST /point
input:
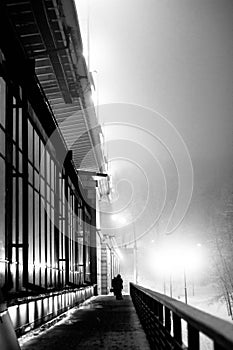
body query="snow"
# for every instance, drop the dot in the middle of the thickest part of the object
(206, 299)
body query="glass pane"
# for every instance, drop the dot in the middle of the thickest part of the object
(42, 189)
(42, 159)
(36, 225)
(30, 235)
(52, 174)
(14, 156)
(20, 162)
(30, 141)
(80, 251)
(42, 231)
(20, 268)
(14, 212)
(36, 180)
(52, 199)
(2, 211)
(14, 120)
(2, 101)
(30, 171)
(20, 127)
(48, 167)
(2, 142)
(36, 151)
(48, 193)
(87, 260)
(52, 245)
(14, 266)
(20, 211)
(48, 235)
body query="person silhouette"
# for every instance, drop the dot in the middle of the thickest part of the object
(118, 286)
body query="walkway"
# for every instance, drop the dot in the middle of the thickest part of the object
(100, 323)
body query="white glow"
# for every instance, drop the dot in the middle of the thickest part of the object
(85, 55)
(120, 256)
(42, 266)
(114, 217)
(94, 97)
(118, 218)
(177, 258)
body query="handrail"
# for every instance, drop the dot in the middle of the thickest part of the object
(166, 309)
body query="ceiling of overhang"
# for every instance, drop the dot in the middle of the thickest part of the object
(50, 35)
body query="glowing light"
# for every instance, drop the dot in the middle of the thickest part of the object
(31, 307)
(94, 97)
(118, 218)
(177, 257)
(115, 217)
(120, 256)
(42, 266)
(85, 54)
(27, 329)
(13, 313)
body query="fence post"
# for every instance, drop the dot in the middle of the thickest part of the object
(193, 338)
(168, 319)
(177, 328)
(218, 347)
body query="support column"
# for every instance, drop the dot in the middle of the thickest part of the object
(104, 269)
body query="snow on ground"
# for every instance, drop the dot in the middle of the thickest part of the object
(206, 299)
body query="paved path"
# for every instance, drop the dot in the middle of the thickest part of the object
(100, 323)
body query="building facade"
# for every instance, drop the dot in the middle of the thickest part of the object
(49, 135)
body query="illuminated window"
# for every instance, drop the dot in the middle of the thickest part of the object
(2, 179)
(56, 225)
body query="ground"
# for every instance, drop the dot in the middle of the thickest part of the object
(100, 323)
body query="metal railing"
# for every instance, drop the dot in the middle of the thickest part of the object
(33, 311)
(163, 317)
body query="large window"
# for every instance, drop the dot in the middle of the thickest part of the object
(62, 229)
(3, 261)
(15, 170)
(41, 212)
(87, 243)
(44, 223)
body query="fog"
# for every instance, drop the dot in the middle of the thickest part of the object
(164, 63)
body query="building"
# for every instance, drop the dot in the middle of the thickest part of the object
(50, 150)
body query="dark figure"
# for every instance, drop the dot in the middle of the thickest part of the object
(118, 286)
(113, 289)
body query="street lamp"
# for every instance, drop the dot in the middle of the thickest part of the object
(185, 288)
(135, 256)
(175, 259)
(170, 284)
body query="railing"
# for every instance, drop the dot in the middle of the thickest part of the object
(30, 312)
(163, 318)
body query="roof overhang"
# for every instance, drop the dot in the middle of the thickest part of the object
(50, 34)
